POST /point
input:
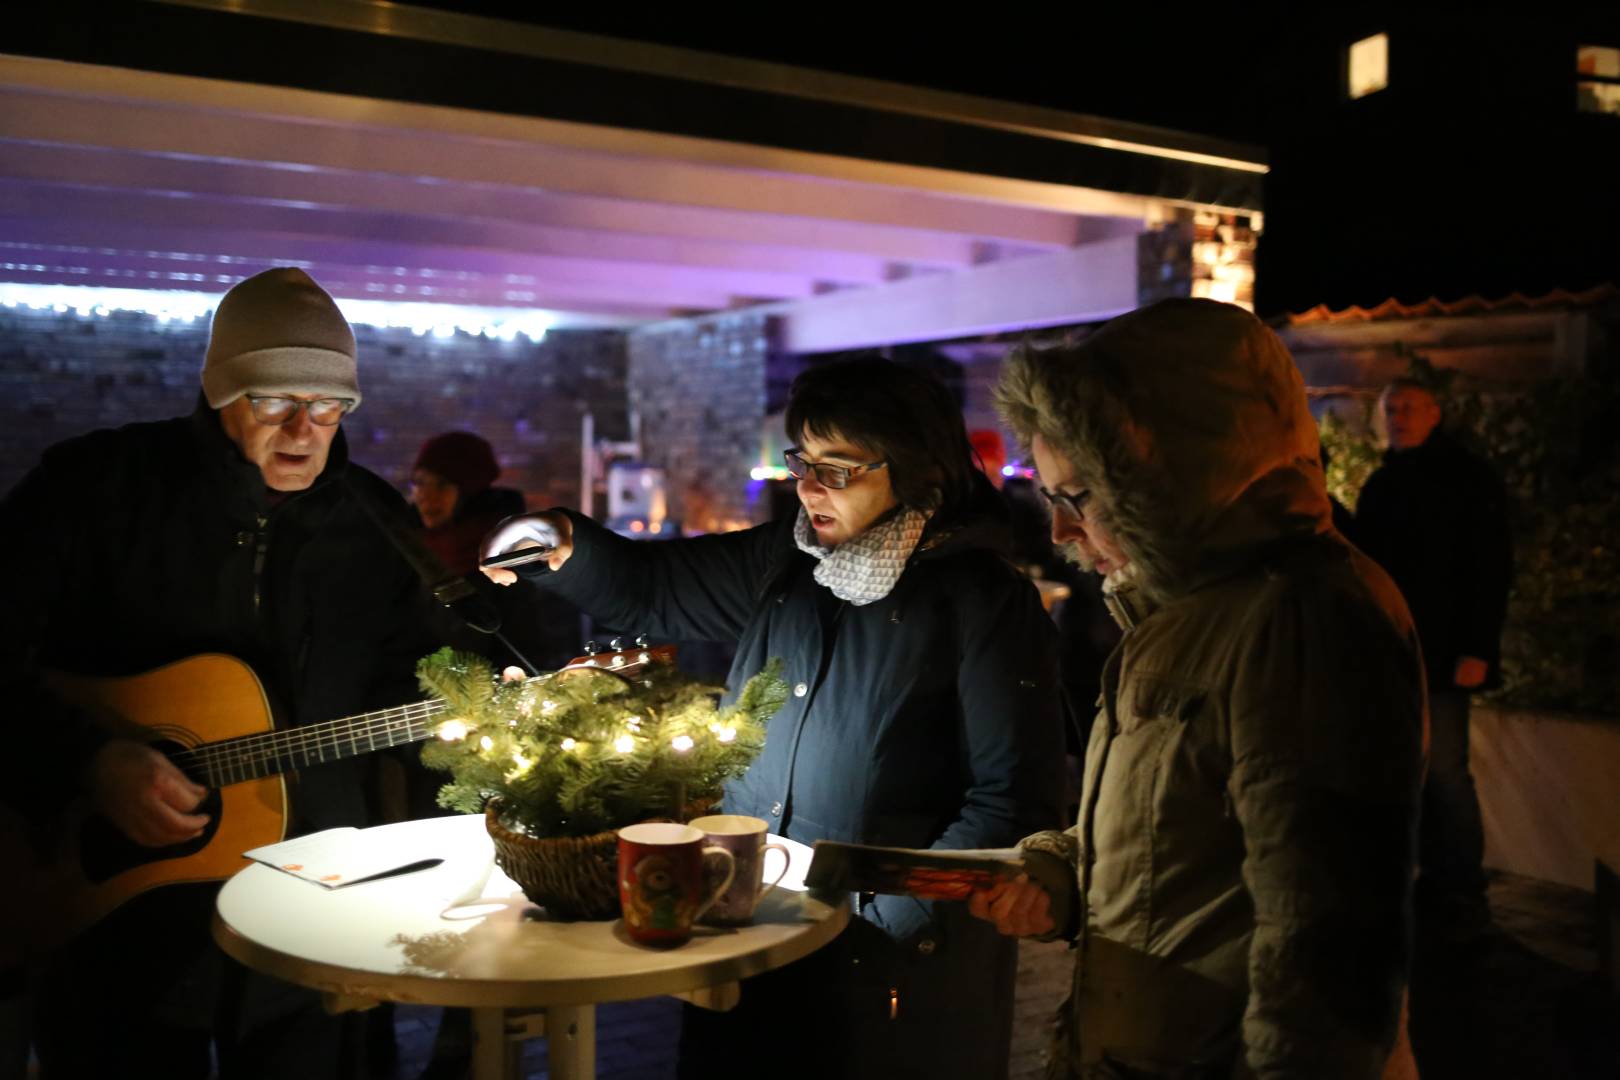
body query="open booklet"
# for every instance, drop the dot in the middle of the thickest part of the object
(929, 874)
(338, 857)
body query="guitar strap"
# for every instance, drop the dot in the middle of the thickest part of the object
(453, 591)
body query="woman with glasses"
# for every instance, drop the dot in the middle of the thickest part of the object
(923, 710)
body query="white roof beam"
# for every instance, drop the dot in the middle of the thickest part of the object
(1085, 284)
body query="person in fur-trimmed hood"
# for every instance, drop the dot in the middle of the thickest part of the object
(1238, 885)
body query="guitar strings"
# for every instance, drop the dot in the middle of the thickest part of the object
(244, 754)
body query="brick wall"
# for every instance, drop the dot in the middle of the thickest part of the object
(65, 374)
(699, 388)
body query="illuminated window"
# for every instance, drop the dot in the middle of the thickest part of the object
(1598, 88)
(1368, 69)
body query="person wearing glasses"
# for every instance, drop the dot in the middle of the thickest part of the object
(232, 530)
(923, 709)
(1239, 883)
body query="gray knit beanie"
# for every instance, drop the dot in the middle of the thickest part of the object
(279, 333)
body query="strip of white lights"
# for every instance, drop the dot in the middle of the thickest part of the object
(440, 320)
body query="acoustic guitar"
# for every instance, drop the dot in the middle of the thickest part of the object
(211, 716)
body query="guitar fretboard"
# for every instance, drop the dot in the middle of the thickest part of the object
(254, 757)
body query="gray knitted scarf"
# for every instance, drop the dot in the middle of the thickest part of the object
(863, 568)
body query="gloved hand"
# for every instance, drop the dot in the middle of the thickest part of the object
(547, 529)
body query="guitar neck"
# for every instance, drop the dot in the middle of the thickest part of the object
(254, 757)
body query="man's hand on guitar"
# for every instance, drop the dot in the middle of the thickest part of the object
(545, 532)
(144, 795)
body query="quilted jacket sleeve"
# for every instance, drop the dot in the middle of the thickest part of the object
(1326, 726)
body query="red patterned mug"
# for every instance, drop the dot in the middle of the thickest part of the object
(667, 878)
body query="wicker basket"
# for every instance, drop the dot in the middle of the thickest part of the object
(571, 877)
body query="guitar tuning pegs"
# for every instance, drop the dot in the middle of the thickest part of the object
(641, 641)
(592, 648)
(616, 644)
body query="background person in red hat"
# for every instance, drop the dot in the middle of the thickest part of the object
(453, 487)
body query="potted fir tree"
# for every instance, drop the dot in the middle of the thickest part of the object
(558, 762)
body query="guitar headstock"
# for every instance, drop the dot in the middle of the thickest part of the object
(619, 660)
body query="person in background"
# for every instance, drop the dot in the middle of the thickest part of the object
(453, 487)
(924, 711)
(1239, 882)
(1435, 517)
(237, 530)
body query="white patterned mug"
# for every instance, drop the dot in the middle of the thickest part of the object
(744, 837)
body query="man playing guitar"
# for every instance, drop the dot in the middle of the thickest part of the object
(233, 531)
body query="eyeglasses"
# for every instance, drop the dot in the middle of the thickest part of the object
(277, 409)
(1062, 502)
(831, 476)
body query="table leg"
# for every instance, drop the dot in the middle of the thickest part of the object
(571, 1041)
(498, 1036)
(494, 1056)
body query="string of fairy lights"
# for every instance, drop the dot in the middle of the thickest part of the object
(180, 306)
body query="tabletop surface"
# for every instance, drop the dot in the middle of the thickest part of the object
(462, 933)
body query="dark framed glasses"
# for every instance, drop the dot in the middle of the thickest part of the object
(1073, 506)
(276, 409)
(830, 476)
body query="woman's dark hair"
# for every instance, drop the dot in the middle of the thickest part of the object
(902, 415)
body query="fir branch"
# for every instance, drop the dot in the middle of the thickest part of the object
(577, 753)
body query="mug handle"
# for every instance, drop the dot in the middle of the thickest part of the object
(712, 894)
(787, 863)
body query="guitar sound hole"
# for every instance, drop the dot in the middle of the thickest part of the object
(104, 852)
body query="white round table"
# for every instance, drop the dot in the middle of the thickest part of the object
(462, 933)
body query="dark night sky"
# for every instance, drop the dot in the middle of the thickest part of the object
(1473, 174)
(1145, 68)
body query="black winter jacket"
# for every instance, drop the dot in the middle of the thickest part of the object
(1435, 517)
(136, 547)
(929, 718)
